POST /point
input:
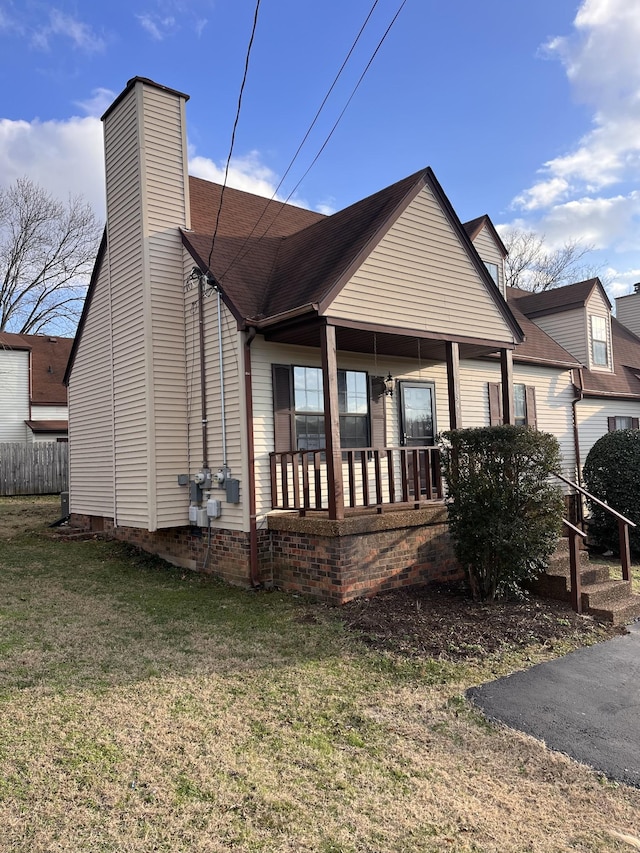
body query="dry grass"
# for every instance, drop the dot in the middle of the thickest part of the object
(145, 710)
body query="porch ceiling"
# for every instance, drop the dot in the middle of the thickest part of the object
(370, 338)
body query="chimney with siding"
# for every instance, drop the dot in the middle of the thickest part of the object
(147, 203)
(628, 309)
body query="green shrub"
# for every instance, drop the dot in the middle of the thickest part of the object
(612, 473)
(505, 515)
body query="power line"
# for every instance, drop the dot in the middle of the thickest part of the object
(233, 132)
(239, 255)
(305, 137)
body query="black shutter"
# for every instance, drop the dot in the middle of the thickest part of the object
(611, 424)
(635, 423)
(378, 437)
(530, 395)
(495, 403)
(283, 413)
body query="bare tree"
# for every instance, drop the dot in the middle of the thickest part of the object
(47, 250)
(531, 266)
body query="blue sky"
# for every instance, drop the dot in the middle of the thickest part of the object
(526, 110)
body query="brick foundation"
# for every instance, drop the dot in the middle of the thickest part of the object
(227, 556)
(362, 555)
(332, 560)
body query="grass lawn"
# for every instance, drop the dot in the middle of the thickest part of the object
(145, 709)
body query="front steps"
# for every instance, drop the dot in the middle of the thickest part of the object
(603, 598)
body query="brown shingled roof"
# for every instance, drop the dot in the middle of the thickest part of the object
(312, 261)
(559, 298)
(298, 263)
(49, 355)
(475, 226)
(538, 346)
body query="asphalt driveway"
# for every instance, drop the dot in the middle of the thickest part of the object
(586, 705)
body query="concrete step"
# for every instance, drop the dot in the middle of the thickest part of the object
(604, 599)
(598, 596)
(619, 613)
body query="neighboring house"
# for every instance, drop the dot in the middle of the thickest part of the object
(264, 405)
(33, 397)
(607, 382)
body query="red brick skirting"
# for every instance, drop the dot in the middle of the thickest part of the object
(332, 560)
(362, 555)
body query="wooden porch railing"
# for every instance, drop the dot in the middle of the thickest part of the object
(372, 477)
(623, 537)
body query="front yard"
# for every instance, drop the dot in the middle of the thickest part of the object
(145, 709)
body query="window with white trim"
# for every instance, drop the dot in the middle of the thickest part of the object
(599, 342)
(308, 402)
(493, 271)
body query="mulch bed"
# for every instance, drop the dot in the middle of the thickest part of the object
(442, 622)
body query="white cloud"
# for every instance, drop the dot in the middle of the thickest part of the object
(80, 34)
(65, 157)
(600, 59)
(246, 173)
(158, 27)
(97, 104)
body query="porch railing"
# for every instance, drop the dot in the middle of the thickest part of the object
(372, 478)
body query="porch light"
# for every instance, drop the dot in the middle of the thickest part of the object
(389, 385)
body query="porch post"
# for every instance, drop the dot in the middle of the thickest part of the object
(332, 422)
(506, 370)
(453, 384)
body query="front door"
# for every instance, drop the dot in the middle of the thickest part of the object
(417, 414)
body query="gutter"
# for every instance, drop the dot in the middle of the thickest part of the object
(309, 308)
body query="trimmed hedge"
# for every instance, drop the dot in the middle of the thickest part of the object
(505, 516)
(612, 473)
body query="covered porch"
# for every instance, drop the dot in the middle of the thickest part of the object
(335, 480)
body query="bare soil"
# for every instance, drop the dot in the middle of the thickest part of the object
(443, 622)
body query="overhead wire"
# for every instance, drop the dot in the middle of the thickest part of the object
(306, 135)
(239, 256)
(235, 125)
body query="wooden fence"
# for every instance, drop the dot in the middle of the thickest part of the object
(41, 468)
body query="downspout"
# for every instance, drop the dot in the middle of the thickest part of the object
(576, 440)
(254, 572)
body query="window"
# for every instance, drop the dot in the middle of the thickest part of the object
(298, 408)
(617, 423)
(524, 404)
(599, 347)
(493, 271)
(520, 405)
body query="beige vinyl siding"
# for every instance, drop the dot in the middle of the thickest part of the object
(569, 329)
(234, 516)
(14, 395)
(628, 311)
(486, 247)
(124, 232)
(592, 417)
(421, 277)
(49, 413)
(554, 395)
(598, 307)
(90, 410)
(165, 210)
